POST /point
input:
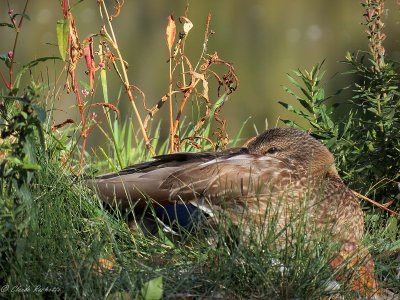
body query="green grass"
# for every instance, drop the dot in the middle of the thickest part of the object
(55, 232)
(67, 231)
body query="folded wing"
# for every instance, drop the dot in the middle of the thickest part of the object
(190, 176)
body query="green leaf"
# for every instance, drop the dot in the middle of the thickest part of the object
(4, 57)
(128, 145)
(315, 125)
(62, 29)
(85, 85)
(7, 25)
(24, 192)
(306, 105)
(41, 113)
(156, 139)
(103, 80)
(320, 95)
(307, 94)
(325, 118)
(152, 290)
(373, 110)
(293, 81)
(395, 246)
(31, 167)
(348, 56)
(22, 15)
(216, 105)
(24, 115)
(14, 160)
(392, 228)
(291, 108)
(219, 102)
(117, 133)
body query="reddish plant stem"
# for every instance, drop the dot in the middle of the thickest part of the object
(5, 81)
(18, 30)
(183, 104)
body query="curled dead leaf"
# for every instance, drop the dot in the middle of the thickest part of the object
(187, 24)
(60, 125)
(107, 105)
(117, 7)
(104, 264)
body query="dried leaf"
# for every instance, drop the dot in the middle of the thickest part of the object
(187, 24)
(58, 126)
(117, 7)
(107, 105)
(75, 53)
(89, 58)
(170, 32)
(75, 50)
(104, 264)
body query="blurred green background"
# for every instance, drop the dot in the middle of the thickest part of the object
(263, 39)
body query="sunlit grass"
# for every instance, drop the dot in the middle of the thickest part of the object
(58, 240)
(79, 249)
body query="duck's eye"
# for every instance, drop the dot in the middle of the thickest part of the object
(271, 150)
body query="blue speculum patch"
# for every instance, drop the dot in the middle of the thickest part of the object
(184, 215)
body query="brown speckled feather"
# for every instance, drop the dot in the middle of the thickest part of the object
(283, 170)
(244, 179)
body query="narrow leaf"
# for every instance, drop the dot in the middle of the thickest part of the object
(7, 25)
(22, 15)
(62, 37)
(103, 80)
(41, 113)
(293, 81)
(306, 105)
(85, 85)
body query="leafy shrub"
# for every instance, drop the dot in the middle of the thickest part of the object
(21, 140)
(366, 139)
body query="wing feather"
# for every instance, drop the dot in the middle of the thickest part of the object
(241, 175)
(187, 177)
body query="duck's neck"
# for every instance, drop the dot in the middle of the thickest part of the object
(323, 172)
(332, 172)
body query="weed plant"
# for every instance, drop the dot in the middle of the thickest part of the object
(362, 132)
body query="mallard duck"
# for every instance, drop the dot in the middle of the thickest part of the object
(278, 169)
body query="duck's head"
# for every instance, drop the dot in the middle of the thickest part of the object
(296, 145)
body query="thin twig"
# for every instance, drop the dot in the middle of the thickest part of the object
(183, 104)
(126, 79)
(206, 36)
(18, 30)
(375, 203)
(171, 121)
